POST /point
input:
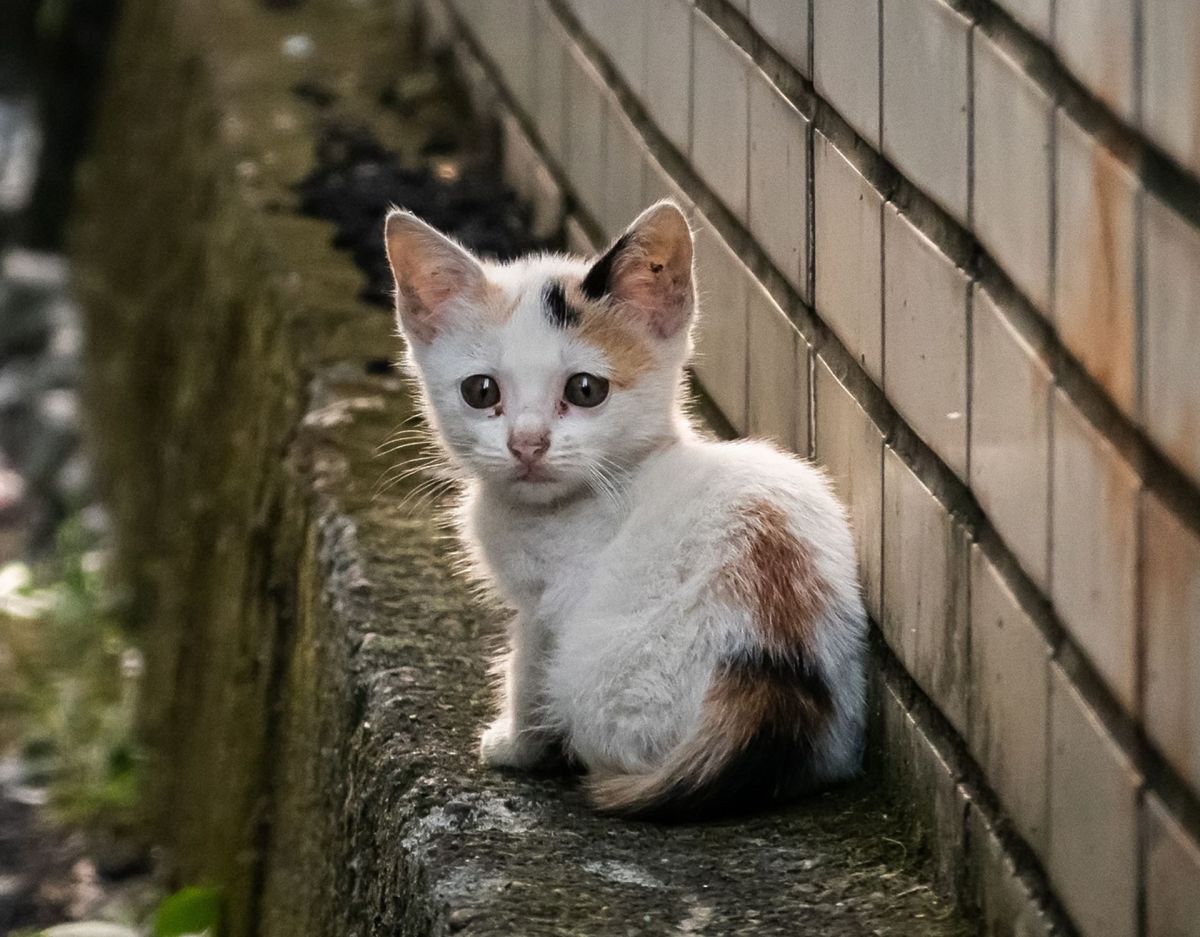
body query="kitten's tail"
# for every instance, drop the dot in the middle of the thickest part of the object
(760, 734)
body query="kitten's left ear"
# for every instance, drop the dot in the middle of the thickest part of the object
(432, 273)
(648, 270)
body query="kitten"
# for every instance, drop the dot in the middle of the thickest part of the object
(689, 625)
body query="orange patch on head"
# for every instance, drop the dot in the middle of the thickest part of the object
(627, 353)
(776, 577)
(602, 325)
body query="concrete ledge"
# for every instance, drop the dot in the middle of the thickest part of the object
(316, 673)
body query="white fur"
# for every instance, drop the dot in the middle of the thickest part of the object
(613, 568)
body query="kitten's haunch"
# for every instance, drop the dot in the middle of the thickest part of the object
(688, 619)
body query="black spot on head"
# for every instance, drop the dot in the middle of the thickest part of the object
(597, 282)
(560, 312)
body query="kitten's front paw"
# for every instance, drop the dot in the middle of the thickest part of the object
(502, 747)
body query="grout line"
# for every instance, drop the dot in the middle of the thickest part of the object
(1139, 64)
(1142, 848)
(969, 351)
(882, 295)
(810, 212)
(812, 401)
(1051, 451)
(1139, 303)
(972, 33)
(811, 51)
(879, 73)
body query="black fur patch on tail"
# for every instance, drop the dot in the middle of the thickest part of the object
(793, 706)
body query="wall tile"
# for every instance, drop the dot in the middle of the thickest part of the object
(437, 24)
(549, 95)
(622, 34)
(547, 199)
(481, 90)
(925, 98)
(507, 32)
(1012, 205)
(1008, 906)
(784, 24)
(913, 763)
(925, 338)
(1010, 684)
(1172, 335)
(1093, 830)
(778, 207)
(1171, 77)
(667, 89)
(720, 108)
(848, 231)
(1172, 875)
(850, 447)
(925, 572)
(1010, 435)
(723, 284)
(941, 809)
(1171, 623)
(897, 727)
(577, 238)
(778, 401)
(518, 156)
(1094, 309)
(1094, 38)
(623, 162)
(585, 132)
(1093, 556)
(846, 61)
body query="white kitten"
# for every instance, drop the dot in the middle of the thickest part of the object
(689, 624)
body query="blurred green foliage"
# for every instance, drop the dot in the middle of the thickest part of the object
(69, 682)
(190, 911)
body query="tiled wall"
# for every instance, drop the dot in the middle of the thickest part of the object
(949, 250)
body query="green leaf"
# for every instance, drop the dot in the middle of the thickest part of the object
(192, 910)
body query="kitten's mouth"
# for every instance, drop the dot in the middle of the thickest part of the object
(532, 474)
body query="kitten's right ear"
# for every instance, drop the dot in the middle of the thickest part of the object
(433, 274)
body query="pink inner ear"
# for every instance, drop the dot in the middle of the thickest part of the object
(437, 283)
(658, 283)
(430, 272)
(652, 271)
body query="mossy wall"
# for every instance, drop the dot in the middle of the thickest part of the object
(199, 331)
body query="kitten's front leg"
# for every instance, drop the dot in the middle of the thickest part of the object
(515, 739)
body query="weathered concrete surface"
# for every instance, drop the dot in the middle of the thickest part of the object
(317, 674)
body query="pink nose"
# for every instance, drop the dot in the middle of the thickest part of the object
(528, 447)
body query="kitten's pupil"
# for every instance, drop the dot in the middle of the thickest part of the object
(586, 390)
(480, 391)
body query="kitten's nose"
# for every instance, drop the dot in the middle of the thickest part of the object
(528, 447)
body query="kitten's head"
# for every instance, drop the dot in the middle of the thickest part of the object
(550, 373)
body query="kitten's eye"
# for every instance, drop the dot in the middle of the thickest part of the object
(480, 391)
(585, 390)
